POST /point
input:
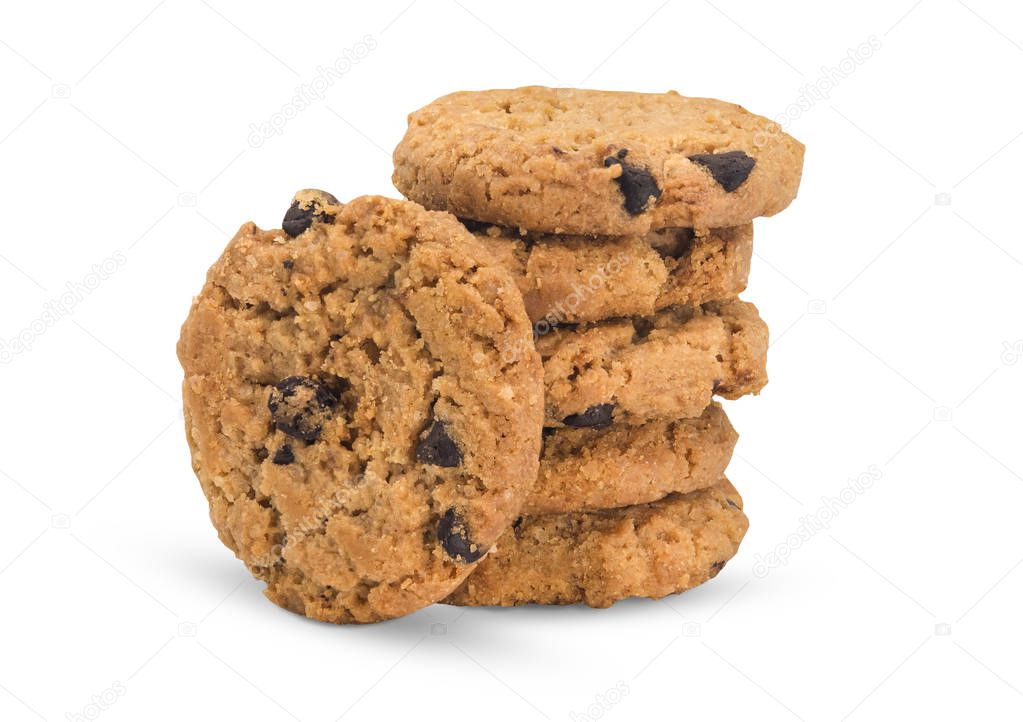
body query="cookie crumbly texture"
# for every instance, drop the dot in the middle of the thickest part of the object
(572, 279)
(665, 366)
(362, 405)
(598, 558)
(618, 465)
(563, 160)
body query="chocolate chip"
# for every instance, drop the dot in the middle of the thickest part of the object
(297, 219)
(454, 537)
(300, 406)
(643, 327)
(306, 207)
(730, 169)
(372, 351)
(636, 183)
(289, 264)
(284, 455)
(732, 504)
(438, 448)
(716, 567)
(595, 416)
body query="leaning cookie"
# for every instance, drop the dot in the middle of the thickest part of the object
(619, 465)
(563, 160)
(598, 558)
(665, 366)
(357, 419)
(574, 279)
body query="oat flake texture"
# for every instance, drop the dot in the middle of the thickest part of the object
(363, 405)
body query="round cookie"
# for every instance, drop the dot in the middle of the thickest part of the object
(597, 558)
(665, 366)
(571, 279)
(361, 404)
(605, 468)
(564, 160)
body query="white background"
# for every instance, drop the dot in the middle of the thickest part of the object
(895, 310)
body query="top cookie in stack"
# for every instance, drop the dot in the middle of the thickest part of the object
(561, 160)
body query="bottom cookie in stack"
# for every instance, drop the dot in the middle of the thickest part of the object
(599, 557)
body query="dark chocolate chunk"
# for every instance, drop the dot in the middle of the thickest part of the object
(297, 219)
(284, 455)
(732, 504)
(438, 448)
(303, 212)
(716, 567)
(636, 183)
(642, 326)
(300, 406)
(289, 264)
(595, 416)
(454, 537)
(730, 169)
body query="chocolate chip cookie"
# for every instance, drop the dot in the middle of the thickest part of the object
(613, 466)
(357, 418)
(600, 557)
(563, 160)
(572, 279)
(665, 366)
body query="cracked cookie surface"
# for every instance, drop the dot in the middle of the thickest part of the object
(665, 366)
(564, 160)
(605, 468)
(573, 279)
(598, 558)
(362, 405)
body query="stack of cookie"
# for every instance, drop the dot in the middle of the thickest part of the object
(624, 219)
(506, 396)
